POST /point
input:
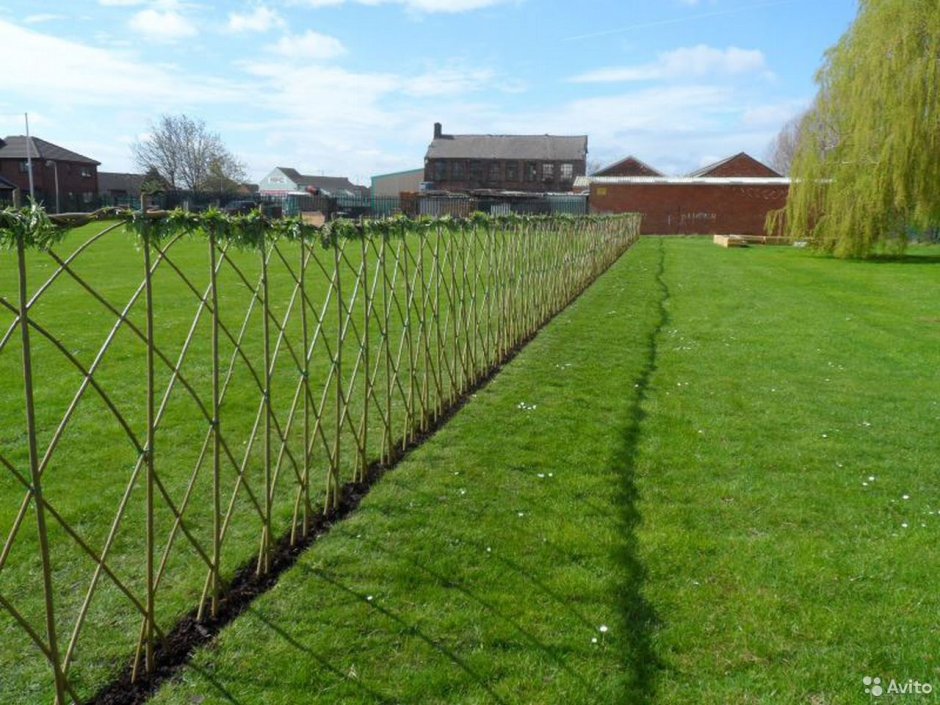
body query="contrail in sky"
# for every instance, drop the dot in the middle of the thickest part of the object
(679, 20)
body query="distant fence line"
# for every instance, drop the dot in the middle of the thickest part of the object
(353, 206)
(304, 355)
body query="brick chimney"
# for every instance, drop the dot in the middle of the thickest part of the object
(437, 130)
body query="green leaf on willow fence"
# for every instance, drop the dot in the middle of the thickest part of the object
(254, 230)
(30, 225)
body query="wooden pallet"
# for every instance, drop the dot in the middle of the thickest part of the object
(745, 240)
(729, 241)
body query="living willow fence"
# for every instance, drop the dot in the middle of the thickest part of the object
(180, 392)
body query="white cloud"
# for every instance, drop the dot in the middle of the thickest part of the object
(451, 6)
(773, 115)
(448, 81)
(317, 3)
(74, 75)
(323, 96)
(428, 6)
(309, 45)
(42, 17)
(162, 26)
(261, 19)
(685, 62)
(158, 4)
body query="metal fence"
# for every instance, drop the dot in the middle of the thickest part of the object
(346, 206)
(191, 394)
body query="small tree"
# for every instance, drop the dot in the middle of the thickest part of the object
(867, 166)
(153, 183)
(183, 152)
(219, 180)
(782, 149)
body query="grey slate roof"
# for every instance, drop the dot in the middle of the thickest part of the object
(7, 185)
(534, 147)
(113, 181)
(14, 147)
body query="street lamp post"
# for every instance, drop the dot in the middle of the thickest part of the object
(55, 167)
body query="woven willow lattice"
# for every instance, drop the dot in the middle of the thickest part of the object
(184, 398)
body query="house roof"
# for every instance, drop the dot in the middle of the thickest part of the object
(15, 147)
(329, 184)
(534, 147)
(744, 157)
(7, 185)
(631, 163)
(115, 181)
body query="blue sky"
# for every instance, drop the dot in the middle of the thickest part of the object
(353, 87)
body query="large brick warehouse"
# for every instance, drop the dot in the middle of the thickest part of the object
(732, 197)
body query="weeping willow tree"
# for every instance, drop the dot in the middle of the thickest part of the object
(867, 168)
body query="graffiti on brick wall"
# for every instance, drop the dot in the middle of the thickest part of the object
(692, 218)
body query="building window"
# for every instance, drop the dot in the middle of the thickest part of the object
(87, 196)
(494, 171)
(476, 171)
(86, 173)
(567, 172)
(24, 167)
(512, 171)
(440, 170)
(548, 171)
(531, 171)
(457, 170)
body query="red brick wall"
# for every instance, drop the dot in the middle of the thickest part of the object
(70, 179)
(702, 208)
(628, 167)
(742, 165)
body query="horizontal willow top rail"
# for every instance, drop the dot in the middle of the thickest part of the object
(40, 230)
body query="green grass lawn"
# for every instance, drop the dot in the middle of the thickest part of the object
(714, 479)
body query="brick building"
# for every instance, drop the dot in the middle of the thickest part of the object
(741, 164)
(120, 188)
(631, 166)
(700, 206)
(63, 180)
(730, 197)
(533, 163)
